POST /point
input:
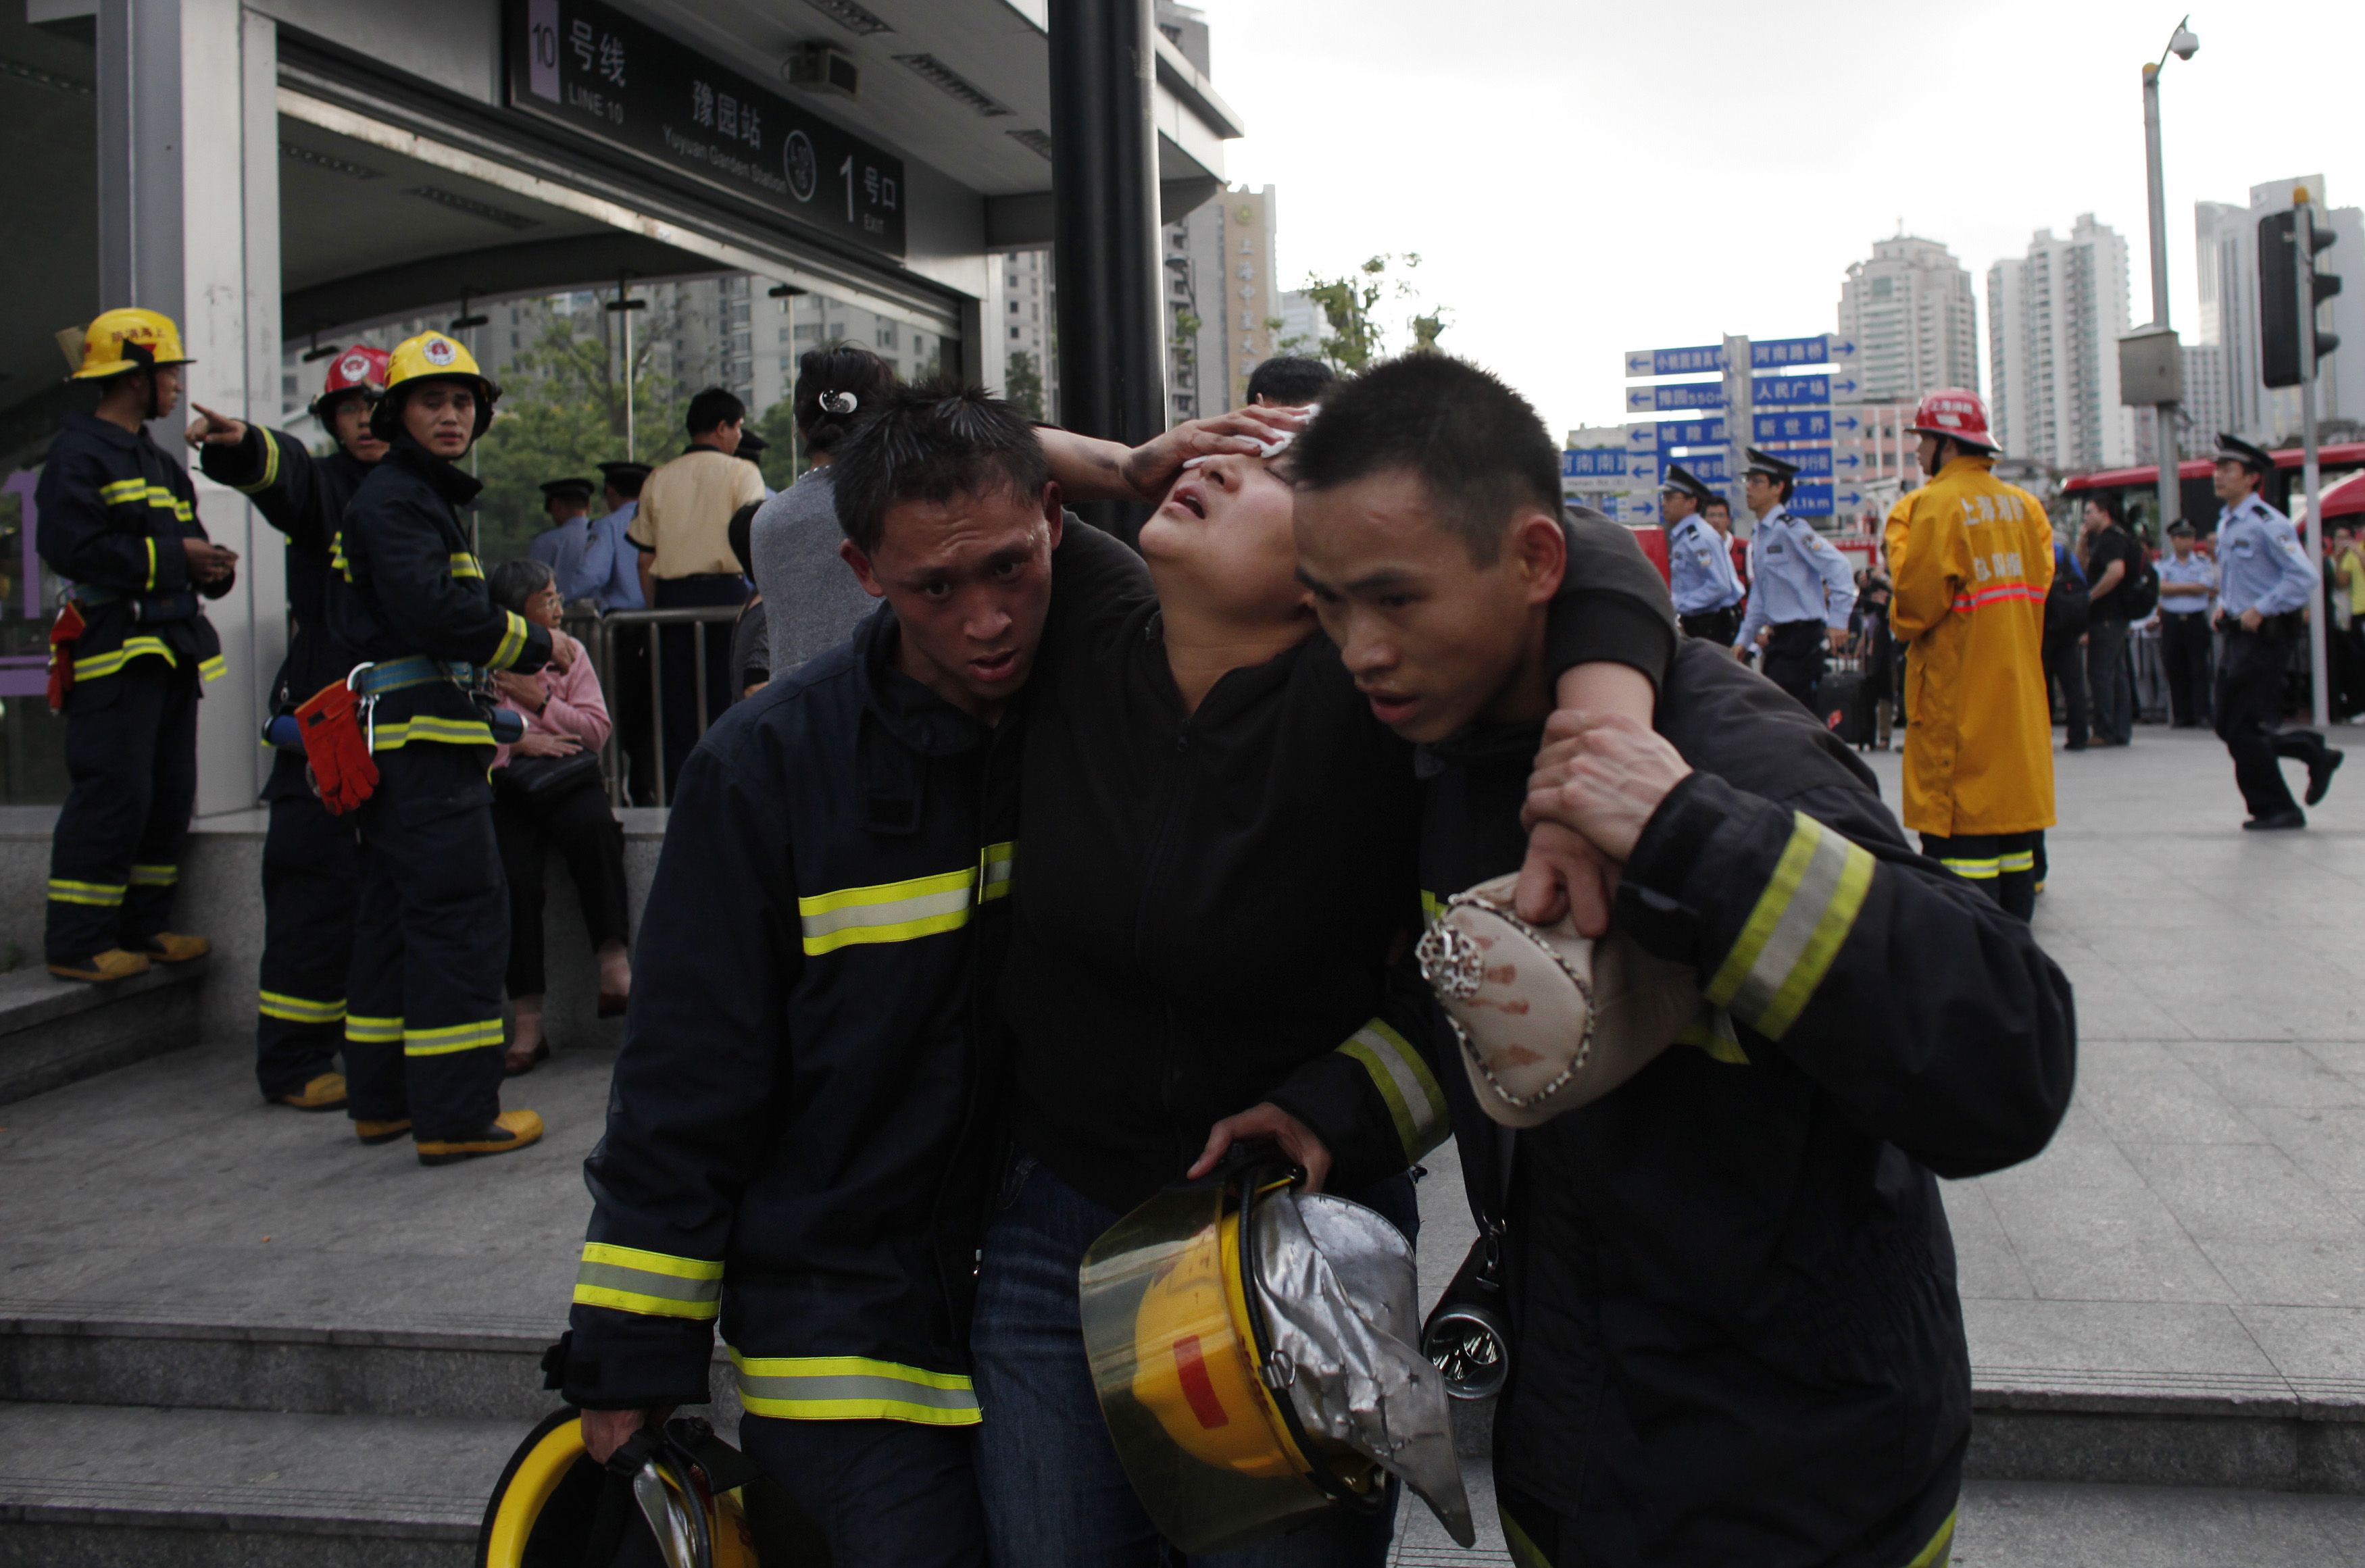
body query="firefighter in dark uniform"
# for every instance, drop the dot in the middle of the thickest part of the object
(1735, 1332)
(2264, 587)
(1798, 585)
(801, 1137)
(311, 860)
(118, 520)
(431, 942)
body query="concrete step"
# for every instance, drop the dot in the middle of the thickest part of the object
(55, 1032)
(486, 1371)
(84, 1485)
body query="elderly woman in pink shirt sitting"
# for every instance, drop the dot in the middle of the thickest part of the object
(547, 789)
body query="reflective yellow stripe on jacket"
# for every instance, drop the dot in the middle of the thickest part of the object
(853, 1388)
(904, 911)
(1787, 945)
(1414, 1102)
(512, 640)
(394, 736)
(466, 566)
(658, 1284)
(97, 665)
(270, 465)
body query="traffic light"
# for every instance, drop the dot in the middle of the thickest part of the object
(2279, 308)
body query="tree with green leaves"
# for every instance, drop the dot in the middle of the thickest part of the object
(562, 412)
(1356, 307)
(1022, 385)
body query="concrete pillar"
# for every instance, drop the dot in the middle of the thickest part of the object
(188, 170)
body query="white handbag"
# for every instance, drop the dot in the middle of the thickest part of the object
(1548, 1020)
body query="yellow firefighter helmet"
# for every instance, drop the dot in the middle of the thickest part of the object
(1255, 1352)
(430, 356)
(123, 341)
(546, 1508)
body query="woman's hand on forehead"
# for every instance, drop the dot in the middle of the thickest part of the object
(1151, 467)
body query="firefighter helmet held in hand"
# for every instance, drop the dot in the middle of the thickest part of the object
(1254, 1350)
(430, 356)
(119, 341)
(686, 1490)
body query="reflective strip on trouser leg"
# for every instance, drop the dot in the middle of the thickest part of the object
(311, 882)
(1791, 937)
(853, 1388)
(450, 930)
(1415, 1103)
(658, 1284)
(172, 796)
(113, 731)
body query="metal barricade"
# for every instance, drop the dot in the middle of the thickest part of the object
(601, 635)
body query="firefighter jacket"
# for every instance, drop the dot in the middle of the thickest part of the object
(405, 583)
(801, 1135)
(304, 498)
(1735, 1336)
(1223, 888)
(113, 511)
(1970, 598)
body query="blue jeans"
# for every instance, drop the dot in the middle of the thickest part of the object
(1054, 1490)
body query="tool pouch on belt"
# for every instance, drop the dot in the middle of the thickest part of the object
(337, 748)
(63, 632)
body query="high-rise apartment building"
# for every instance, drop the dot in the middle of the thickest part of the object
(1910, 312)
(1223, 299)
(2227, 241)
(1029, 328)
(2054, 317)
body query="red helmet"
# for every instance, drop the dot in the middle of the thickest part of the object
(359, 369)
(1954, 412)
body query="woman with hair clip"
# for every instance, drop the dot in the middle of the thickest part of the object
(811, 601)
(547, 789)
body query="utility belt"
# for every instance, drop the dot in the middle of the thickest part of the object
(73, 619)
(147, 608)
(337, 726)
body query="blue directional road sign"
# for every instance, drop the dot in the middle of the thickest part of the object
(1781, 353)
(1780, 391)
(1812, 462)
(1593, 463)
(1822, 498)
(1665, 435)
(1634, 509)
(1675, 361)
(1715, 467)
(1672, 397)
(1803, 424)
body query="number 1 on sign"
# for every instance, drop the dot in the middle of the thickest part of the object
(847, 169)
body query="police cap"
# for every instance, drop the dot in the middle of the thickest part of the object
(568, 489)
(621, 473)
(752, 445)
(2180, 529)
(2234, 449)
(1680, 482)
(1771, 466)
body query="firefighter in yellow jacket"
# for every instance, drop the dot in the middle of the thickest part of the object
(1969, 602)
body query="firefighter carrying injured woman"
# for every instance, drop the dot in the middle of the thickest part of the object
(1074, 867)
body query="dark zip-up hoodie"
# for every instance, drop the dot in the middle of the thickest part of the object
(1218, 905)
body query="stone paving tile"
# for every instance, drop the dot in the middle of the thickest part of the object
(2269, 1074)
(2019, 1524)
(2251, 1192)
(2111, 1240)
(2142, 1091)
(1986, 1263)
(2320, 1348)
(2292, 1273)
(2185, 1339)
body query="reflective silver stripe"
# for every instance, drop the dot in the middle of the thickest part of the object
(892, 912)
(853, 1388)
(1791, 937)
(1415, 1103)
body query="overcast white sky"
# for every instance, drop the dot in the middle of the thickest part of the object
(1580, 179)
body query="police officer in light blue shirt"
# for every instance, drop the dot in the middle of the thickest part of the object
(2263, 581)
(2188, 593)
(1701, 577)
(611, 568)
(560, 546)
(1798, 584)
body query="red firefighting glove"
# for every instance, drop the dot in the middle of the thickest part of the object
(343, 768)
(63, 632)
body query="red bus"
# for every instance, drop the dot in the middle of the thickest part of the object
(2137, 489)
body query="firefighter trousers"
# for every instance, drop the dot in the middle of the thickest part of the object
(311, 877)
(430, 940)
(114, 855)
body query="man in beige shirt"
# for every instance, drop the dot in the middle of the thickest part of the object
(682, 530)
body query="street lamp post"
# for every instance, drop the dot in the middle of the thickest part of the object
(2183, 45)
